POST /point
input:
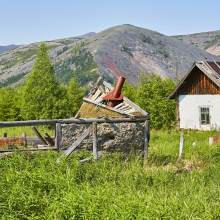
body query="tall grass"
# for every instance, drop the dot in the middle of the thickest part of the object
(33, 186)
(17, 131)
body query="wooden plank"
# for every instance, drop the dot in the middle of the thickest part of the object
(99, 99)
(27, 149)
(39, 135)
(84, 160)
(95, 87)
(97, 94)
(76, 143)
(125, 108)
(58, 137)
(181, 144)
(146, 137)
(119, 105)
(49, 139)
(95, 142)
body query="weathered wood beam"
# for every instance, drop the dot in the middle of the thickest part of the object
(71, 121)
(75, 144)
(95, 141)
(146, 137)
(49, 139)
(95, 87)
(58, 137)
(39, 135)
(27, 149)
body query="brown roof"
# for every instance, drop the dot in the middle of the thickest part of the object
(210, 68)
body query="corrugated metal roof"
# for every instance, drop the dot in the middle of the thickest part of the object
(210, 68)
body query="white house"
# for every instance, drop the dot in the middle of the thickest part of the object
(198, 97)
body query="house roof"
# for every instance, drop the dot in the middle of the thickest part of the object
(210, 68)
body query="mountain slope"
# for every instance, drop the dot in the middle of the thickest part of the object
(208, 41)
(122, 50)
(9, 47)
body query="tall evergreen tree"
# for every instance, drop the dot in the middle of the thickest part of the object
(42, 97)
(75, 96)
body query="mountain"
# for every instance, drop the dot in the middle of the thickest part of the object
(9, 47)
(86, 35)
(122, 50)
(208, 41)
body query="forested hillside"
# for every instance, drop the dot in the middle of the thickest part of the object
(122, 50)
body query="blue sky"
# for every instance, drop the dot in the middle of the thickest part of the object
(29, 21)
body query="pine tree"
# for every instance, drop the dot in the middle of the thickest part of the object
(42, 97)
(75, 96)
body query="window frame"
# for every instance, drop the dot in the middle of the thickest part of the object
(205, 113)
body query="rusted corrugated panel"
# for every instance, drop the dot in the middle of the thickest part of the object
(5, 142)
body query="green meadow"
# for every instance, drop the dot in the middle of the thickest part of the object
(33, 186)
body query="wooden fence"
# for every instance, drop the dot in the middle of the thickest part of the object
(93, 121)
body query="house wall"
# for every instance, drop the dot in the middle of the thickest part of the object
(189, 110)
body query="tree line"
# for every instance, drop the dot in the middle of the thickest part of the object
(43, 97)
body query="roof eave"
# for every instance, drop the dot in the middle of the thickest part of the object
(173, 93)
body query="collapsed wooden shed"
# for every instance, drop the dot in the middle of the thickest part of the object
(124, 125)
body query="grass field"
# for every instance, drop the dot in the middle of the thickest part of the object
(33, 186)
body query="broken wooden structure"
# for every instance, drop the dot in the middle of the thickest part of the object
(128, 124)
(106, 118)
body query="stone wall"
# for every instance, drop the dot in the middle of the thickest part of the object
(111, 136)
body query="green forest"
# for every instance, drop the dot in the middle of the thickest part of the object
(44, 97)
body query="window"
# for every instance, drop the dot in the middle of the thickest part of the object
(205, 118)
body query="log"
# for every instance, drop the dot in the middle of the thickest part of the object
(72, 121)
(95, 142)
(146, 137)
(58, 137)
(39, 135)
(75, 144)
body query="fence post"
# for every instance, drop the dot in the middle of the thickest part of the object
(181, 144)
(58, 137)
(95, 141)
(25, 140)
(146, 137)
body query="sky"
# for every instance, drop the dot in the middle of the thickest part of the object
(29, 21)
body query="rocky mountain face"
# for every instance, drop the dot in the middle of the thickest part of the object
(122, 50)
(208, 41)
(9, 47)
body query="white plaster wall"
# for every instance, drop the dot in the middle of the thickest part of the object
(189, 109)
